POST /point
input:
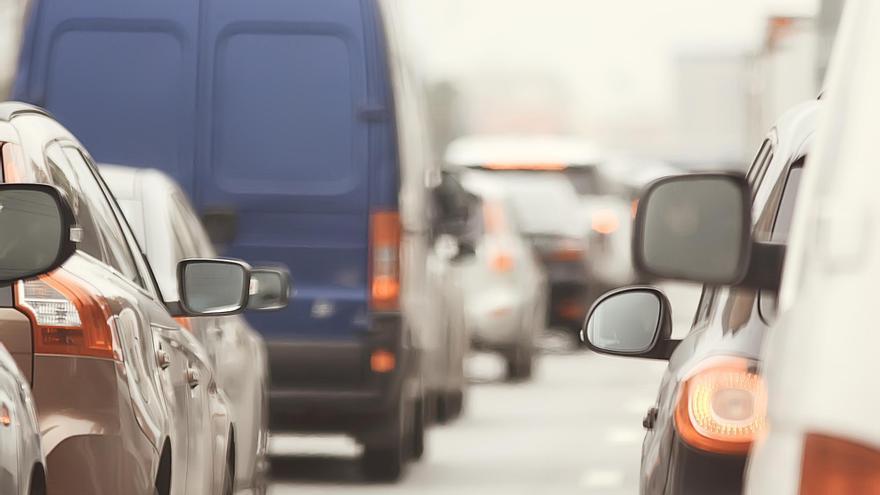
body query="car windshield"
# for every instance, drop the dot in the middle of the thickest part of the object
(543, 203)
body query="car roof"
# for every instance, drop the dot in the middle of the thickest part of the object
(522, 150)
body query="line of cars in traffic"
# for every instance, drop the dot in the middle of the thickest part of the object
(770, 392)
(328, 173)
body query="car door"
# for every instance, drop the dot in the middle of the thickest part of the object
(152, 343)
(657, 444)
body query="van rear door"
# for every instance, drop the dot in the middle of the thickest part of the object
(120, 75)
(284, 149)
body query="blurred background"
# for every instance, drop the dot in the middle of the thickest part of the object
(656, 87)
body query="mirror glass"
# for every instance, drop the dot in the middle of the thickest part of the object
(693, 229)
(33, 228)
(625, 322)
(213, 286)
(270, 289)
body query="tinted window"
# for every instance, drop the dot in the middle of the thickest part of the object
(117, 253)
(62, 176)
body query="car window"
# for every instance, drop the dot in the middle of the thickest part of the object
(117, 253)
(779, 232)
(739, 298)
(62, 176)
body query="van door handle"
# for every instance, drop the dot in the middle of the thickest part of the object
(163, 358)
(192, 377)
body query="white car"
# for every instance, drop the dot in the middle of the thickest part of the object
(821, 360)
(169, 230)
(504, 286)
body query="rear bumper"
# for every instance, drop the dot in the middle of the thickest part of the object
(328, 386)
(693, 471)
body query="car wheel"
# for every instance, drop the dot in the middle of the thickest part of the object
(451, 406)
(520, 365)
(385, 461)
(229, 477)
(417, 435)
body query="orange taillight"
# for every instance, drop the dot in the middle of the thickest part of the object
(184, 322)
(605, 222)
(835, 465)
(382, 361)
(722, 406)
(68, 316)
(385, 261)
(501, 261)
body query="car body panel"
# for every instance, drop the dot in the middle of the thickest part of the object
(820, 360)
(169, 231)
(22, 463)
(116, 413)
(729, 322)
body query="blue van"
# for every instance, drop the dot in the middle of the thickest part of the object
(298, 131)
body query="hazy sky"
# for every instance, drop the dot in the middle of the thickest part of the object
(617, 57)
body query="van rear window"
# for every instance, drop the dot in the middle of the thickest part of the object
(283, 114)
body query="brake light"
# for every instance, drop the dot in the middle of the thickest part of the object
(385, 255)
(537, 166)
(568, 251)
(722, 407)
(68, 316)
(382, 361)
(834, 465)
(605, 222)
(501, 261)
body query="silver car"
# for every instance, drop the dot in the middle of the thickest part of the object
(504, 285)
(168, 230)
(22, 464)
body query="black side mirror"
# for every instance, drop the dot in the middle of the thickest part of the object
(270, 289)
(632, 321)
(213, 287)
(697, 228)
(39, 232)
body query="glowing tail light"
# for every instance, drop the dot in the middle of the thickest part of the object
(68, 316)
(722, 407)
(605, 222)
(835, 465)
(385, 261)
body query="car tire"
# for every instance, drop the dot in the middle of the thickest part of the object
(520, 365)
(385, 461)
(417, 433)
(451, 406)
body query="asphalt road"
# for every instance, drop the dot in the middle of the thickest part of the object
(574, 429)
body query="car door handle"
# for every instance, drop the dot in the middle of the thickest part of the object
(192, 377)
(163, 358)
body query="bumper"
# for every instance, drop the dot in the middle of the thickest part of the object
(328, 386)
(693, 471)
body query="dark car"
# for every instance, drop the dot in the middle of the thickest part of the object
(711, 404)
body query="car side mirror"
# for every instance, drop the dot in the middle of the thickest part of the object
(213, 287)
(633, 321)
(39, 230)
(695, 228)
(269, 290)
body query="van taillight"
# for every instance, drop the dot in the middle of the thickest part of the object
(68, 316)
(835, 465)
(385, 261)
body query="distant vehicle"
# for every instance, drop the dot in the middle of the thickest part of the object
(328, 170)
(504, 286)
(169, 231)
(126, 400)
(542, 177)
(711, 404)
